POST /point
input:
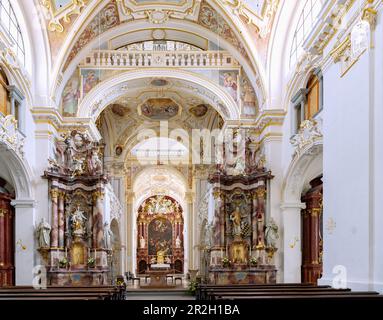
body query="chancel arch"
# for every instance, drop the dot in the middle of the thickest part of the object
(160, 192)
(104, 93)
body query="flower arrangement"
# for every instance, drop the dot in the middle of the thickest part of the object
(192, 287)
(63, 263)
(226, 262)
(253, 261)
(91, 262)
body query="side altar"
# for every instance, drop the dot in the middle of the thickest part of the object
(244, 238)
(76, 243)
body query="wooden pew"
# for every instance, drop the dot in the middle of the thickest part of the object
(79, 293)
(203, 289)
(284, 295)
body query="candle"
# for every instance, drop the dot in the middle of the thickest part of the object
(89, 252)
(66, 252)
(95, 254)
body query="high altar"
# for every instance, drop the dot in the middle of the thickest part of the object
(242, 245)
(76, 251)
(160, 240)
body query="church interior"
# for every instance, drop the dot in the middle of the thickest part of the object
(197, 148)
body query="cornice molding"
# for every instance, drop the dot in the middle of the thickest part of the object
(52, 117)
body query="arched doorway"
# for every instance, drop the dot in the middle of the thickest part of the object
(312, 232)
(160, 236)
(7, 235)
(305, 167)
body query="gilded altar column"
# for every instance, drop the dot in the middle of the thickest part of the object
(61, 220)
(98, 220)
(55, 222)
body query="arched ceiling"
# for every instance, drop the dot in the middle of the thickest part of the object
(241, 27)
(159, 180)
(140, 110)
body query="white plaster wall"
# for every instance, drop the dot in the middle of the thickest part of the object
(378, 157)
(346, 172)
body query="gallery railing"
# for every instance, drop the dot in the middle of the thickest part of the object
(171, 59)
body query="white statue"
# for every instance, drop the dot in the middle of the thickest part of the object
(178, 242)
(271, 233)
(43, 234)
(108, 236)
(142, 242)
(78, 220)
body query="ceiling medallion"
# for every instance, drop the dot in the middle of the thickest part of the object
(159, 34)
(159, 83)
(158, 16)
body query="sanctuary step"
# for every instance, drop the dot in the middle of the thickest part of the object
(158, 294)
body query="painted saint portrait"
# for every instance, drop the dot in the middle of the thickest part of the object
(71, 96)
(90, 78)
(248, 97)
(199, 111)
(160, 236)
(229, 80)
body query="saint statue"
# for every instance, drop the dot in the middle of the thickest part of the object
(271, 233)
(235, 217)
(178, 242)
(108, 236)
(43, 234)
(142, 242)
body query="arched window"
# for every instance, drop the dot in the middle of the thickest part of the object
(11, 26)
(312, 97)
(307, 19)
(308, 101)
(4, 103)
(11, 100)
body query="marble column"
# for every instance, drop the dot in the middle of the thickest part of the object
(191, 244)
(254, 223)
(55, 220)
(98, 220)
(61, 219)
(261, 199)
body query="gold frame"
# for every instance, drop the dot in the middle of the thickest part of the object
(65, 13)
